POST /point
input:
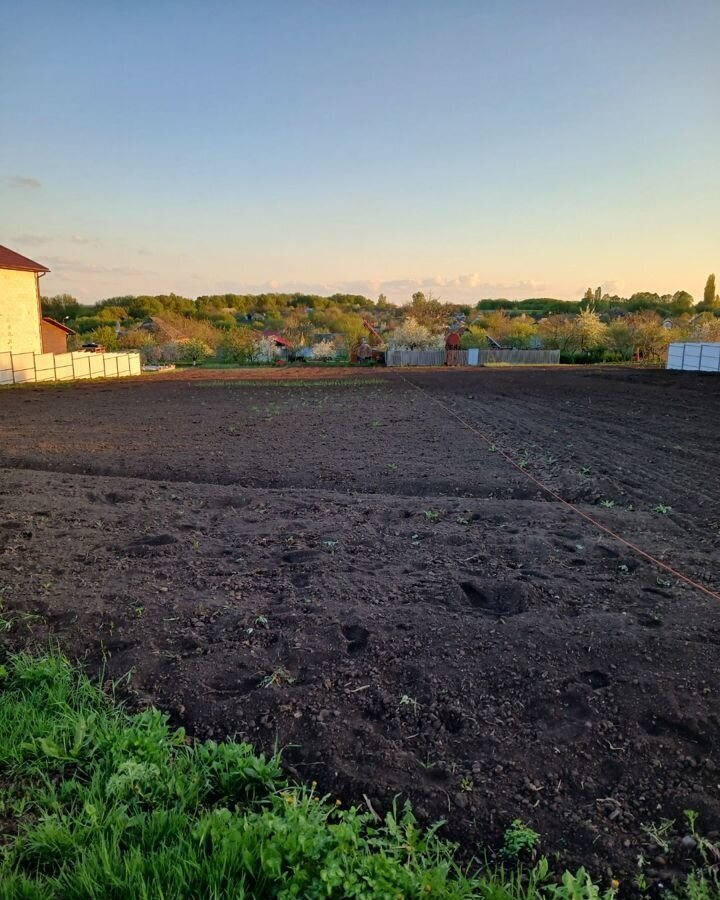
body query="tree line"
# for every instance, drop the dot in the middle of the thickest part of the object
(230, 326)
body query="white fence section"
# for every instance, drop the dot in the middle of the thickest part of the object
(694, 357)
(28, 368)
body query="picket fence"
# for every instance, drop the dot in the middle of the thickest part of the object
(27, 368)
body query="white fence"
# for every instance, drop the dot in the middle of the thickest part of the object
(27, 368)
(694, 357)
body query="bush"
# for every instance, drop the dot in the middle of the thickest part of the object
(194, 351)
(237, 346)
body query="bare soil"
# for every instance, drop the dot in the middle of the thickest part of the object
(347, 572)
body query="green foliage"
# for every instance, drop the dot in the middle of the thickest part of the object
(194, 351)
(60, 306)
(104, 335)
(519, 840)
(237, 346)
(709, 295)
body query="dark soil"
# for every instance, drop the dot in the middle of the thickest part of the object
(348, 573)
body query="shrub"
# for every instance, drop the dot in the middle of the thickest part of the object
(194, 351)
(237, 346)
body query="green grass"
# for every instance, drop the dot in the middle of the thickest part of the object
(293, 382)
(96, 802)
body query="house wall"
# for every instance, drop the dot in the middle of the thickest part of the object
(19, 312)
(53, 339)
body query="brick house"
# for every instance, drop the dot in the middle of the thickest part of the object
(20, 313)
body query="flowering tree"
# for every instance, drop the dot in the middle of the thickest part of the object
(266, 350)
(325, 350)
(411, 335)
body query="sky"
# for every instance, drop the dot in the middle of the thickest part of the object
(470, 148)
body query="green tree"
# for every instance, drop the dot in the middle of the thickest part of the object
(681, 302)
(709, 295)
(60, 306)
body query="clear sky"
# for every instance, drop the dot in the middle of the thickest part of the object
(487, 148)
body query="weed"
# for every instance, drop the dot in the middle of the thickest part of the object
(662, 509)
(607, 504)
(467, 785)
(519, 840)
(431, 515)
(406, 700)
(585, 470)
(659, 833)
(277, 678)
(462, 520)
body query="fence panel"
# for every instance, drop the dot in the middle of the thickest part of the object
(415, 358)
(28, 368)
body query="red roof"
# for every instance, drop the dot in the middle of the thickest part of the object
(9, 259)
(48, 320)
(273, 336)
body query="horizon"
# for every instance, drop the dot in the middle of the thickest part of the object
(472, 152)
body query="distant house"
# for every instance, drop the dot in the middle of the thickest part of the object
(54, 335)
(20, 314)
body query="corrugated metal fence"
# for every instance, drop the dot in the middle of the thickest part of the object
(26, 368)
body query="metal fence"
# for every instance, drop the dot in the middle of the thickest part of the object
(27, 368)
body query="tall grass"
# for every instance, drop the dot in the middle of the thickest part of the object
(99, 803)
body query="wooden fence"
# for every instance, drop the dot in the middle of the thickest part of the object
(415, 358)
(518, 357)
(23, 368)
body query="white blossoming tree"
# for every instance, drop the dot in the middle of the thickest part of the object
(324, 350)
(411, 335)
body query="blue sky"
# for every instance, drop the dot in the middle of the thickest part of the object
(507, 148)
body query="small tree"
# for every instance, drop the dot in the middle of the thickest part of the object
(105, 335)
(591, 330)
(195, 351)
(474, 337)
(266, 350)
(411, 335)
(237, 346)
(325, 350)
